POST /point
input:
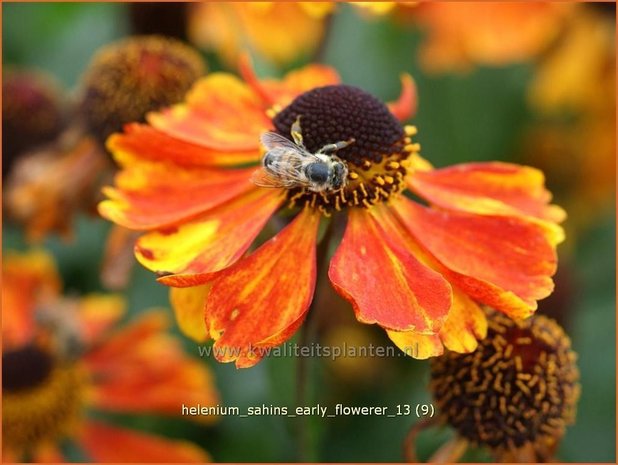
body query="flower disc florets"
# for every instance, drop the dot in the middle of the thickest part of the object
(33, 113)
(376, 158)
(25, 368)
(129, 78)
(518, 388)
(42, 397)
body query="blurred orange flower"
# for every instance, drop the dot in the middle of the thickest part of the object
(50, 184)
(47, 186)
(574, 137)
(277, 31)
(418, 271)
(62, 359)
(462, 34)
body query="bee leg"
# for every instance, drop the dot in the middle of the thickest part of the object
(338, 146)
(297, 133)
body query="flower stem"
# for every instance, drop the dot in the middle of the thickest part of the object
(308, 334)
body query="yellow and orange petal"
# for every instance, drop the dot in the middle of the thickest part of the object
(141, 368)
(150, 197)
(261, 300)
(405, 106)
(192, 251)
(384, 281)
(188, 306)
(491, 188)
(464, 326)
(503, 262)
(586, 53)
(28, 280)
(280, 92)
(463, 34)
(113, 444)
(141, 143)
(220, 112)
(277, 31)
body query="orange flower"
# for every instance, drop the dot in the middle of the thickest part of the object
(62, 358)
(461, 34)
(47, 186)
(278, 31)
(514, 396)
(579, 150)
(418, 271)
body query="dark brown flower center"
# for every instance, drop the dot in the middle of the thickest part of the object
(32, 114)
(25, 368)
(519, 387)
(376, 160)
(42, 399)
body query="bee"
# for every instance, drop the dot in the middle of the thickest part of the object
(289, 164)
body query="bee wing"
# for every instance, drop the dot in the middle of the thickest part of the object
(263, 178)
(272, 140)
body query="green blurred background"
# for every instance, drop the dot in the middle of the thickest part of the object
(480, 115)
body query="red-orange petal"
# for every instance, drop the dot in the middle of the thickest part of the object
(504, 262)
(405, 106)
(102, 358)
(221, 112)
(155, 196)
(384, 281)
(112, 444)
(282, 92)
(145, 143)
(260, 301)
(29, 281)
(491, 188)
(194, 250)
(142, 368)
